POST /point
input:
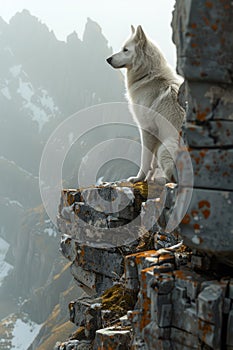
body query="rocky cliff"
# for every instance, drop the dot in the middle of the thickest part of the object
(146, 288)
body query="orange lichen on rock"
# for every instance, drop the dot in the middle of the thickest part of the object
(201, 116)
(206, 213)
(196, 226)
(194, 212)
(209, 4)
(186, 219)
(204, 203)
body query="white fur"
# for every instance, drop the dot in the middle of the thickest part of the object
(152, 88)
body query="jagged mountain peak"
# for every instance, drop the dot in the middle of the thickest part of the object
(2, 22)
(26, 23)
(22, 16)
(93, 32)
(73, 38)
(94, 24)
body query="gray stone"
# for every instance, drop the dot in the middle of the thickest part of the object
(208, 222)
(179, 346)
(100, 233)
(156, 337)
(151, 212)
(212, 168)
(90, 215)
(112, 338)
(161, 308)
(163, 283)
(163, 239)
(75, 345)
(183, 339)
(226, 305)
(190, 281)
(115, 201)
(68, 247)
(88, 278)
(231, 288)
(210, 134)
(134, 317)
(202, 34)
(200, 262)
(68, 213)
(108, 262)
(209, 334)
(229, 340)
(184, 314)
(86, 312)
(161, 269)
(125, 321)
(210, 303)
(210, 103)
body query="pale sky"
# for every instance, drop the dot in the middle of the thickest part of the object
(115, 18)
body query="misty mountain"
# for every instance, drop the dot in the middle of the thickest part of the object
(42, 82)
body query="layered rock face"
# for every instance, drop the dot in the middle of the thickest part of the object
(202, 32)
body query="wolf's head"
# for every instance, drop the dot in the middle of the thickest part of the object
(131, 51)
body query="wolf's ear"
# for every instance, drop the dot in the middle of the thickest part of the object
(132, 29)
(140, 34)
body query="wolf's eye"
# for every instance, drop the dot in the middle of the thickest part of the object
(125, 49)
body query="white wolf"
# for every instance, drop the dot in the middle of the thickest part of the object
(152, 88)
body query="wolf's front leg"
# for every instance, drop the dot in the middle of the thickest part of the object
(148, 142)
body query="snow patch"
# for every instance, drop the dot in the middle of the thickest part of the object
(45, 107)
(51, 232)
(25, 90)
(16, 70)
(5, 268)
(6, 93)
(37, 101)
(37, 114)
(9, 203)
(18, 332)
(4, 246)
(24, 334)
(14, 202)
(47, 101)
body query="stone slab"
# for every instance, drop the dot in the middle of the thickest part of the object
(210, 134)
(112, 338)
(202, 34)
(210, 305)
(212, 168)
(209, 334)
(209, 102)
(183, 339)
(207, 224)
(229, 340)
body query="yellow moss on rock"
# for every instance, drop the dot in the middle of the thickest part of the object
(118, 300)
